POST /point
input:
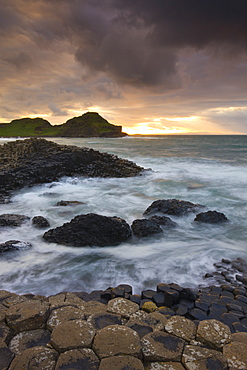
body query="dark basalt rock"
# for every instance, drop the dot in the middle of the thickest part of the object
(145, 227)
(36, 161)
(90, 230)
(163, 221)
(65, 203)
(11, 245)
(211, 217)
(8, 219)
(40, 222)
(173, 207)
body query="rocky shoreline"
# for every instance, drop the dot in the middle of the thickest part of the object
(36, 161)
(171, 328)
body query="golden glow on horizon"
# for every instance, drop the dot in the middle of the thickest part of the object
(145, 128)
(178, 119)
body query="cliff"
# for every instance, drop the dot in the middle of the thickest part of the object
(90, 124)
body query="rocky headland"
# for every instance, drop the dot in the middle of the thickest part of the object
(90, 124)
(35, 161)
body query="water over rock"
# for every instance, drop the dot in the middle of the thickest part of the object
(12, 245)
(90, 230)
(173, 207)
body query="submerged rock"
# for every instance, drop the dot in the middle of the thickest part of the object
(65, 203)
(8, 219)
(11, 245)
(211, 217)
(173, 207)
(144, 227)
(90, 230)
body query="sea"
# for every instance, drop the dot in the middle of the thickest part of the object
(209, 170)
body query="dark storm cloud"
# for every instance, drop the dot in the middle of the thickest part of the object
(135, 42)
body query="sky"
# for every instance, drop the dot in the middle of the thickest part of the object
(151, 66)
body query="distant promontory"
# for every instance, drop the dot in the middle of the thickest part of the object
(90, 124)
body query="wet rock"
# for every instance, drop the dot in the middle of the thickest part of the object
(13, 245)
(62, 314)
(36, 161)
(65, 203)
(160, 346)
(122, 307)
(213, 333)
(116, 340)
(28, 315)
(181, 327)
(71, 335)
(8, 219)
(164, 221)
(198, 358)
(6, 356)
(83, 358)
(141, 329)
(211, 217)
(145, 227)
(35, 358)
(173, 207)
(90, 230)
(101, 320)
(236, 355)
(121, 363)
(28, 339)
(40, 222)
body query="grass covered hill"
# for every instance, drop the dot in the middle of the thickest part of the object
(90, 124)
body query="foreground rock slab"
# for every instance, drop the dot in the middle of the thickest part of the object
(90, 230)
(116, 340)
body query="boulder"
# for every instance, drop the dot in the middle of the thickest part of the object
(8, 219)
(40, 222)
(144, 227)
(90, 230)
(35, 358)
(12, 245)
(211, 217)
(116, 340)
(160, 346)
(83, 358)
(173, 207)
